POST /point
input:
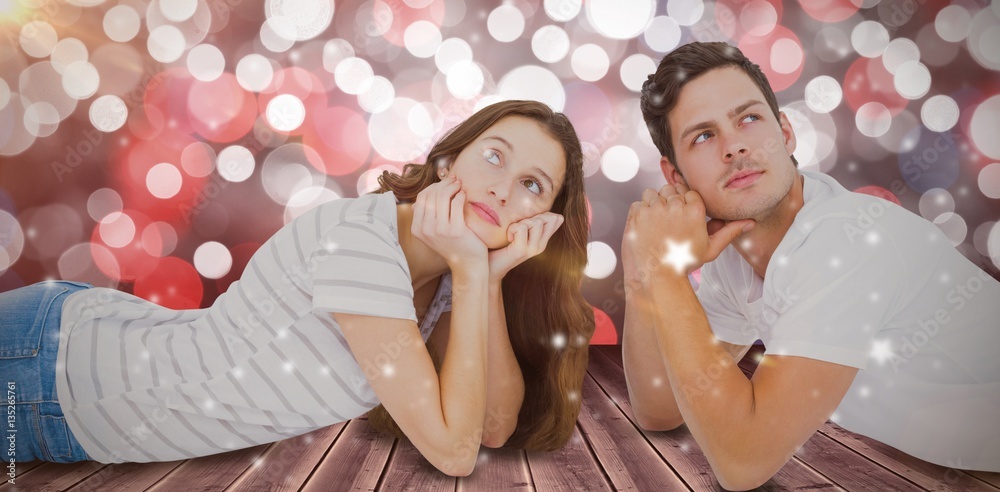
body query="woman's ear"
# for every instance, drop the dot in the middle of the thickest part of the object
(442, 166)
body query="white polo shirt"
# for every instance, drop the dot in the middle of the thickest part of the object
(139, 382)
(862, 282)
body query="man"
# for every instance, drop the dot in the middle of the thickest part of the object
(868, 315)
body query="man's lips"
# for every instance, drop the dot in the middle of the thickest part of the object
(487, 213)
(743, 178)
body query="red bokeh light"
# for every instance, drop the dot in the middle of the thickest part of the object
(168, 91)
(221, 110)
(866, 81)
(879, 192)
(760, 50)
(241, 257)
(130, 261)
(340, 136)
(728, 16)
(174, 284)
(131, 163)
(404, 15)
(604, 333)
(829, 10)
(297, 82)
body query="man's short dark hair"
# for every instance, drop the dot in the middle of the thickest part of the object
(663, 87)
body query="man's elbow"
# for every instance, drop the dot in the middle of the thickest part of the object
(651, 423)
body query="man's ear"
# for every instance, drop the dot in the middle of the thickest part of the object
(787, 133)
(670, 172)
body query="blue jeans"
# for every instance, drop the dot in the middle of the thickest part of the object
(34, 426)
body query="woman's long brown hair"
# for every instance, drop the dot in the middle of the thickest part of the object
(548, 321)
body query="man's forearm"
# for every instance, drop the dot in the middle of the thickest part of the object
(714, 397)
(645, 374)
(505, 383)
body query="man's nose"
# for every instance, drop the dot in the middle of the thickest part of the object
(734, 146)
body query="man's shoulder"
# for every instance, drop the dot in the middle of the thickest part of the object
(853, 216)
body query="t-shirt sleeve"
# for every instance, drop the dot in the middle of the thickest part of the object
(359, 268)
(726, 321)
(834, 294)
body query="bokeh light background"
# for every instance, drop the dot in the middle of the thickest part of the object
(153, 146)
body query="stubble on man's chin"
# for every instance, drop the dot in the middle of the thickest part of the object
(762, 211)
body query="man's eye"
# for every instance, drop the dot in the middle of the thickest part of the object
(491, 156)
(533, 187)
(699, 139)
(755, 117)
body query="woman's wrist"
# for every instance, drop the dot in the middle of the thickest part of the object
(469, 270)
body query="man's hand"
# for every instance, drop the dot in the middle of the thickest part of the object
(666, 232)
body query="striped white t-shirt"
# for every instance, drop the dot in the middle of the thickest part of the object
(139, 382)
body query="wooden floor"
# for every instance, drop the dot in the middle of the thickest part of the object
(608, 451)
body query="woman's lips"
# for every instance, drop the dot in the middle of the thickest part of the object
(484, 212)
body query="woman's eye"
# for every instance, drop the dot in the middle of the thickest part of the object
(533, 186)
(699, 139)
(491, 156)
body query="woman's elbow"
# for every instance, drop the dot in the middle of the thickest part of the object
(456, 457)
(497, 439)
(456, 466)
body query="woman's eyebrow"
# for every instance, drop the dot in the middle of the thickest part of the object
(552, 184)
(539, 170)
(503, 141)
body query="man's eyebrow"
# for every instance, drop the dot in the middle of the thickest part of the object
(552, 184)
(732, 114)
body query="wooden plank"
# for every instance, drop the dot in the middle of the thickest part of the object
(498, 469)
(847, 468)
(678, 446)
(54, 476)
(991, 478)
(126, 476)
(296, 458)
(923, 473)
(622, 451)
(571, 468)
(408, 470)
(21, 468)
(214, 472)
(356, 460)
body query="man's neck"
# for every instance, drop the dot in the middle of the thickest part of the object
(758, 245)
(425, 264)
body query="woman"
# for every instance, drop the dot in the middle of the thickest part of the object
(323, 324)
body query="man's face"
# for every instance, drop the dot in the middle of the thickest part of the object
(729, 146)
(512, 171)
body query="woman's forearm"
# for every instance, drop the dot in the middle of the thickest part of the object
(505, 383)
(463, 370)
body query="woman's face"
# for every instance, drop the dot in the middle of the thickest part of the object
(512, 171)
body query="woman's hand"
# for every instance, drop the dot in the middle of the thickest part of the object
(527, 238)
(439, 221)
